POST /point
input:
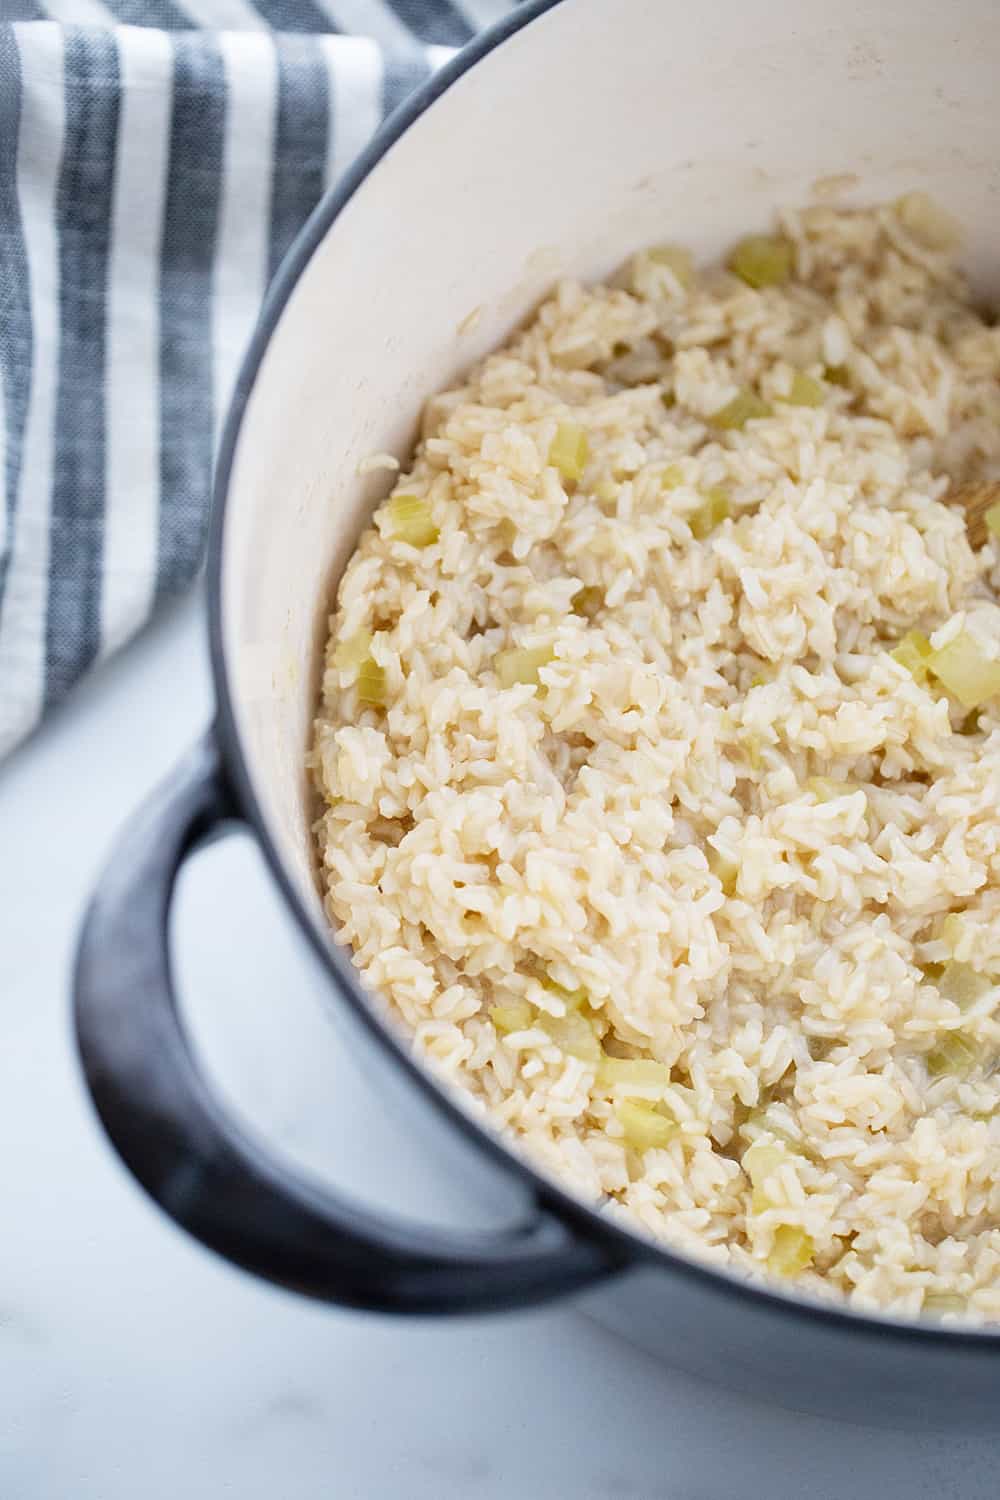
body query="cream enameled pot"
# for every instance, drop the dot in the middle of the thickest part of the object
(557, 143)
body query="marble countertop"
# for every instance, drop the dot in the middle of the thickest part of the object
(134, 1364)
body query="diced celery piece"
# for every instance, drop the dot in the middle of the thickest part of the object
(715, 508)
(912, 653)
(746, 406)
(574, 1034)
(762, 260)
(628, 1071)
(726, 871)
(805, 391)
(955, 1055)
(760, 1120)
(791, 1251)
(837, 375)
(352, 651)
(521, 664)
(672, 476)
(412, 520)
(962, 668)
(644, 1126)
(950, 930)
(676, 258)
(518, 1015)
(992, 519)
(371, 681)
(936, 1304)
(963, 984)
(760, 1161)
(569, 450)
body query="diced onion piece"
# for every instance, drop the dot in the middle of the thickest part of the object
(912, 653)
(963, 669)
(672, 476)
(352, 651)
(574, 1034)
(644, 1126)
(676, 259)
(927, 221)
(704, 520)
(569, 450)
(746, 406)
(518, 1015)
(412, 521)
(631, 1071)
(963, 984)
(762, 260)
(805, 391)
(936, 1304)
(726, 871)
(371, 681)
(521, 664)
(992, 519)
(791, 1251)
(955, 1055)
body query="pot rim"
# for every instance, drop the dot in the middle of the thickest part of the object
(631, 1246)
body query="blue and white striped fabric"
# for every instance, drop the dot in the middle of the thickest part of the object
(156, 159)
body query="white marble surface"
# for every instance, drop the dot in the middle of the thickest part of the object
(133, 1364)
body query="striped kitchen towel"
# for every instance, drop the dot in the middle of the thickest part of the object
(156, 159)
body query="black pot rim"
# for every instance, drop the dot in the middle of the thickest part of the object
(629, 1246)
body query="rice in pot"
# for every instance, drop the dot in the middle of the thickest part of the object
(649, 807)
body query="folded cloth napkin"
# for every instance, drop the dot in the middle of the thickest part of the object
(156, 159)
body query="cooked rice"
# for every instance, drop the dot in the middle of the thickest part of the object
(725, 813)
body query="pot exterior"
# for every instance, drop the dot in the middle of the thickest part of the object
(836, 1368)
(579, 135)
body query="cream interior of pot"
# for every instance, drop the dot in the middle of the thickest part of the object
(593, 130)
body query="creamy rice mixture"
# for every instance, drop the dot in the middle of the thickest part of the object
(660, 755)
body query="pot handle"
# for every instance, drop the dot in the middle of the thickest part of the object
(197, 1164)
